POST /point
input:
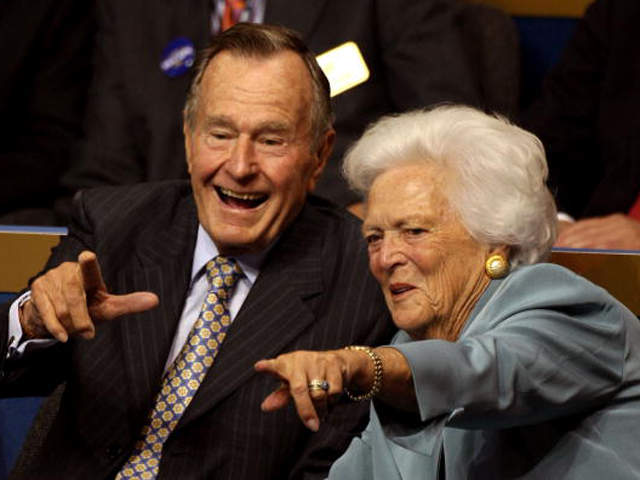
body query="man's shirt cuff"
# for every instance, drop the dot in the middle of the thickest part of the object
(16, 345)
(565, 217)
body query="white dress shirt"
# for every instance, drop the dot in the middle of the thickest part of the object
(205, 251)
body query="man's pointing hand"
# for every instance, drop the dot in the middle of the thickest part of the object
(69, 299)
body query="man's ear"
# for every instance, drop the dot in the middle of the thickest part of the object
(321, 157)
(186, 131)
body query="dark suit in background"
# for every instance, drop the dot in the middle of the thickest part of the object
(588, 115)
(412, 49)
(45, 46)
(313, 291)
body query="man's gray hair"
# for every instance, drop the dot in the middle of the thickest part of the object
(263, 41)
(496, 172)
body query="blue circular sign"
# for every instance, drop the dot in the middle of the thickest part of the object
(177, 57)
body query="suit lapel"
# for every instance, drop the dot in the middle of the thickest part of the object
(163, 267)
(272, 316)
(299, 15)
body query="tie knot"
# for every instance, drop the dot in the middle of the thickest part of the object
(236, 5)
(223, 273)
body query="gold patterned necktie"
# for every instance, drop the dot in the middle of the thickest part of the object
(182, 380)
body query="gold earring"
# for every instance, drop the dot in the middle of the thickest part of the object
(497, 266)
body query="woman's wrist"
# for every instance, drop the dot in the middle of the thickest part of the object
(368, 379)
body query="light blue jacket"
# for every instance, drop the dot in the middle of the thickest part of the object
(544, 383)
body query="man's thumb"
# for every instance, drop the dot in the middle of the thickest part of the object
(115, 306)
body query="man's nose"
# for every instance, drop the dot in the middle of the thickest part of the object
(242, 160)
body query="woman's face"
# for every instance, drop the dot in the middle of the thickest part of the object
(430, 269)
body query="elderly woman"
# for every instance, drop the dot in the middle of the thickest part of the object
(504, 367)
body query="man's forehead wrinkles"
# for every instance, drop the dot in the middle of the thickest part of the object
(273, 126)
(226, 121)
(218, 121)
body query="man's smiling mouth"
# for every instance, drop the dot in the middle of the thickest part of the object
(241, 200)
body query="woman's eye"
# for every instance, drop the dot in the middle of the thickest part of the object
(372, 239)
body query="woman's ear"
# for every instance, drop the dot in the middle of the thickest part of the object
(497, 264)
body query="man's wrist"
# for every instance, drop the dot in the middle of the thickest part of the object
(19, 343)
(16, 333)
(31, 330)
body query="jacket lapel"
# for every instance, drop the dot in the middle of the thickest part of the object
(272, 316)
(163, 266)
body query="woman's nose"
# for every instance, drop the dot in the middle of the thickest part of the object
(391, 251)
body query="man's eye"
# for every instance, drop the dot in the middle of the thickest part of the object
(272, 141)
(219, 135)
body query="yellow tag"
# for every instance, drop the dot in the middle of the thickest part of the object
(344, 67)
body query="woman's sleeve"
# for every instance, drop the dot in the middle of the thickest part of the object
(356, 462)
(548, 344)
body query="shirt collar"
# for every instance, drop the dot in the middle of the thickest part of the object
(206, 250)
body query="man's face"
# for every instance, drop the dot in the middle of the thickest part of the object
(249, 152)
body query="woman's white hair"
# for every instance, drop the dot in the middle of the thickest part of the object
(498, 172)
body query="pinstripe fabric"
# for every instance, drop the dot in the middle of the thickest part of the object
(314, 291)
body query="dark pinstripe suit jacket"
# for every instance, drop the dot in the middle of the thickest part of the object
(314, 291)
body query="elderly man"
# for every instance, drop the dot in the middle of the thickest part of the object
(240, 266)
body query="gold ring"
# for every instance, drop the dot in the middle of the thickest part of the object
(317, 384)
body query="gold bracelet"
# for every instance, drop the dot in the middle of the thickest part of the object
(377, 375)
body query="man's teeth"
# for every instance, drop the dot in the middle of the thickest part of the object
(240, 196)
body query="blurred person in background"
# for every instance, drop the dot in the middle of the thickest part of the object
(46, 48)
(588, 118)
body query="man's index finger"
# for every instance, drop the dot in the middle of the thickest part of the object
(91, 274)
